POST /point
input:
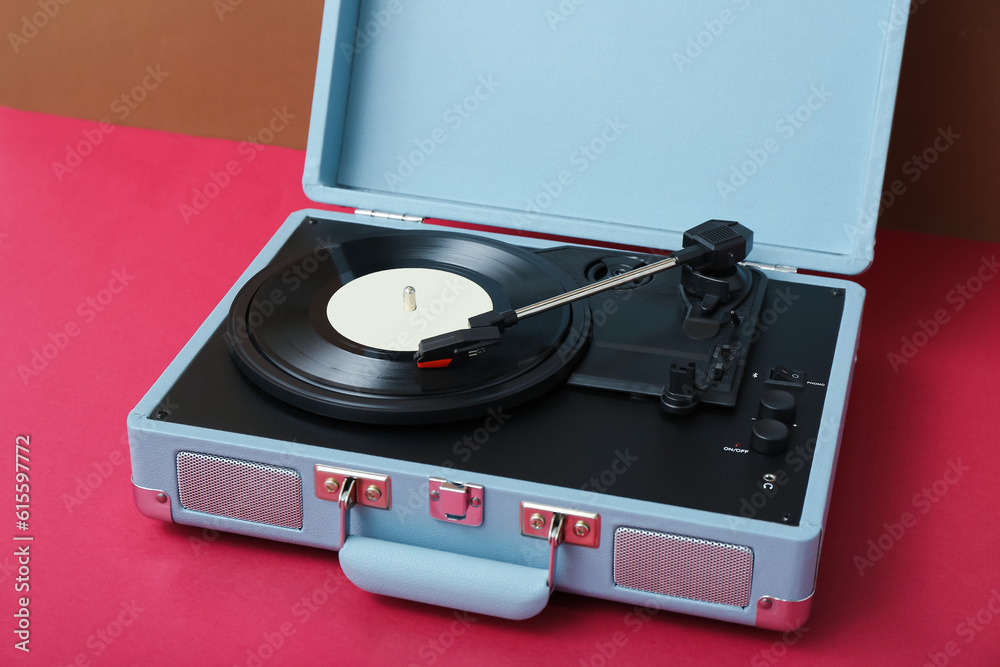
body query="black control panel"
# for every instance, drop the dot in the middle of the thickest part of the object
(747, 454)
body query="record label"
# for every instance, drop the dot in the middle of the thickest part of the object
(395, 309)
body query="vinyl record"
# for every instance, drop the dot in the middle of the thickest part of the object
(283, 327)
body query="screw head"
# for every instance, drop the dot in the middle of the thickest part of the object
(331, 485)
(475, 502)
(581, 528)
(435, 494)
(373, 493)
(766, 603)
(536, 521)
(161, 497)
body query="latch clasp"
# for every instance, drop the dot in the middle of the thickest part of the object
(560, 526)
(456, 503)
(349, 488)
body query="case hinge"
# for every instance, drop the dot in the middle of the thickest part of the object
(389, 216)
(771, 267)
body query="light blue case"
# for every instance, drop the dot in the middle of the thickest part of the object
(621, 122)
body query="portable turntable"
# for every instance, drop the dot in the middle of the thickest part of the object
(475, 417)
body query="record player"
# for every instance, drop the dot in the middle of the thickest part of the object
(544, 397)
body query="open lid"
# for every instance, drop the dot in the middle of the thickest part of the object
(624, 122)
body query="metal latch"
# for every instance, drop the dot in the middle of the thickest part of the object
(558, 526)
(456, 503)
(349, 488)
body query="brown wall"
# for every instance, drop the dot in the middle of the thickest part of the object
(225, 73)
(227, 70)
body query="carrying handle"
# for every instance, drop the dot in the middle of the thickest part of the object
(448, 579)
(468, 583)
(442, 578)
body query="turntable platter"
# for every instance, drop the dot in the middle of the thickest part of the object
(290, 328)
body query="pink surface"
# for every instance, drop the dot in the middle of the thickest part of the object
(107, 279)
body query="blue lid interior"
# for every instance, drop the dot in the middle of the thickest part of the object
(625, 122)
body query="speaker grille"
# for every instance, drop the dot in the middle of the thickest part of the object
(682, 566)
(240, 489)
